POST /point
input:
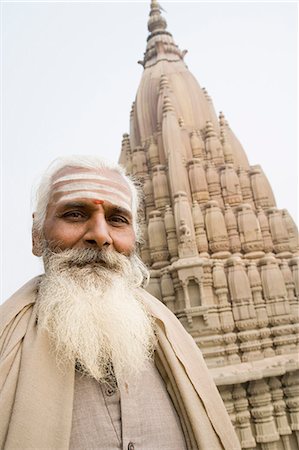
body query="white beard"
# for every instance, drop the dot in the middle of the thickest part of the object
(89, 305)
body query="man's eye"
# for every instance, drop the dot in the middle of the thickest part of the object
(118, 219)
(73, 215)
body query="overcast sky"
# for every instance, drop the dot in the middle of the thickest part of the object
(70, 74)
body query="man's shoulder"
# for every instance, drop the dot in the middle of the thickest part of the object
(22, 298)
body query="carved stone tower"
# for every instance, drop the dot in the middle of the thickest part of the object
(222, 256)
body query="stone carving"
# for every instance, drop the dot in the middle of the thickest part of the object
(265, 230)
(125, 149)
(227, 148)
(167, 289)
(277, 304)
(262, 192)
(185, 233)
(243, 309)
(200, 234)
(260, 308)
(160, 186)
(182, 212)
(148, 191)
(291, 391)
(213, 145)
(292, 231)
(290, 287)
(231, 190)
(279, 233)
(279, 409)
(197, 145)
(144, 246)
(153, 153)
(232, 230)
(216, 230)
(213, 181)
(227, 398)
(157, 240)
(225, 313)
(245, 186)
(126, 155)
(262, 413)
(139, 162)
(198, 182)
(172, 241)
(243, 425)
(250, 232)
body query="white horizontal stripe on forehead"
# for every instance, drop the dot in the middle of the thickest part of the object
(95, 196)
(69, 187)
(83, 175)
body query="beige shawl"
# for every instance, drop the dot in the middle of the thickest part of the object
(36, 398)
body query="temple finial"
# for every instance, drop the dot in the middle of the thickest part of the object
(155, 4)
(156, 21)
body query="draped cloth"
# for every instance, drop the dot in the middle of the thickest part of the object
(36, 396)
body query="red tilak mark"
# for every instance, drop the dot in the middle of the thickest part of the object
(98, 202)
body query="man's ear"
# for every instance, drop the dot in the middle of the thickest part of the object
(37, 247)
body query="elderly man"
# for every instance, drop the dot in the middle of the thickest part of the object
(90, 360)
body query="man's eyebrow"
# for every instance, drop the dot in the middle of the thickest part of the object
(120, 210)
(77, 204)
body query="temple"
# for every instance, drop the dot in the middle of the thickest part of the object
(222, 256)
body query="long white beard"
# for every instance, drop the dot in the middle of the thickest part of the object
(89, 305)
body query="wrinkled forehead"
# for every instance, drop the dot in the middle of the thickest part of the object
(73, 183)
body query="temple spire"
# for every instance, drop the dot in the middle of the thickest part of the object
(160, 43)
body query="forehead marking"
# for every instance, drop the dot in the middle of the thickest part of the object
(82, 189)
(98, 202)
(93, 182)
(92, 187)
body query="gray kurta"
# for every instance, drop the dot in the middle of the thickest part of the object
(110, 418)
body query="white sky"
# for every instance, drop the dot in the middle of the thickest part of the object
(69, 76)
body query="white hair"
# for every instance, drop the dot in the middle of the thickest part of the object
(43, 191)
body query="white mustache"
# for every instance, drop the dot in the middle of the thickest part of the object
(96, 260)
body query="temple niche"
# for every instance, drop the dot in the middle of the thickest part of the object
(222, 256)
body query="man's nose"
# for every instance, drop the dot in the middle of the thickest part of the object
(98, 233)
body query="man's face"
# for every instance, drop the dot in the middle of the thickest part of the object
(89, 209)
(79, 302)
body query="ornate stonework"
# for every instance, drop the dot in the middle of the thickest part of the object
(222, 256)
